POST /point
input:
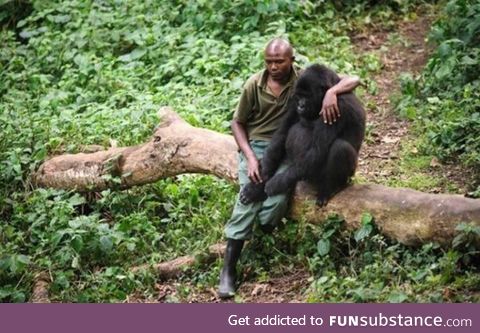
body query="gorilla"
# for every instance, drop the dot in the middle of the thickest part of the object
(323, 155)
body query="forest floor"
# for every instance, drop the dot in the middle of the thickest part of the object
(401, 49)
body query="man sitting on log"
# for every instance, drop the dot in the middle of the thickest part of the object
(258, 114)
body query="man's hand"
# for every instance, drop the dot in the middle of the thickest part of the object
(330, 111)
(241, 137)
(254, 170)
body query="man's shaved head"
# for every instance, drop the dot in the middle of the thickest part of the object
(279, 47)
(279, 58)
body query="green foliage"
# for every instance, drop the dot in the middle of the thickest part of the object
(11, 11)
(362, 265)
(366, 228)
(379, 14)
(74, 73)
(370, 268)
(77, 72)
(444, 101)
(330, 230)
(467, 240)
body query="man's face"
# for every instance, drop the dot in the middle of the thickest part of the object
(278, 64)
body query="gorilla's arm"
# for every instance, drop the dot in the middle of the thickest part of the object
(276, 152)
(271, 160)
(310, 165)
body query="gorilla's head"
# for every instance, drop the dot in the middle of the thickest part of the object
(308, 101)
(310, 90)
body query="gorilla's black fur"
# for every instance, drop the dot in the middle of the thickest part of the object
(323, 155)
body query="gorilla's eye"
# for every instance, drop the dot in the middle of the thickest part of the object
(297, 98)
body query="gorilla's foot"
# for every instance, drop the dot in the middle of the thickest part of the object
(322, 201)
(253, 193)
(274, 186)
(324, 197)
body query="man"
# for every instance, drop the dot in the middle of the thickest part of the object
(259, 113)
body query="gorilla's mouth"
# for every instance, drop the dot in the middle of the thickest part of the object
(301, 105)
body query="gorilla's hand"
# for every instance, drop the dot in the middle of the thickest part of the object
(277, 185)
(252, 193)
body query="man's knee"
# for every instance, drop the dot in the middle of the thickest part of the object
(240, 224)
(273, 209)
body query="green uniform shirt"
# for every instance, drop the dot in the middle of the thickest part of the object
(259, 109)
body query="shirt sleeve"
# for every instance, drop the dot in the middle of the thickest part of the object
(246, 103)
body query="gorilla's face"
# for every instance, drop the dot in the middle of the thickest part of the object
(307, 103)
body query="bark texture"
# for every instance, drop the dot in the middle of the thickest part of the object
(173, 268)
(40, 288)
(411, 217)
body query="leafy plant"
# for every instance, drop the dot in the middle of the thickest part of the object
(444, 101)
(330, 229)
(467, 241)
(76, 73)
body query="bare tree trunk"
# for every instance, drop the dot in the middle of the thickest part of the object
(409, 216)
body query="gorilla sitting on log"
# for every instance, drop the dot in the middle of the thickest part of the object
(323, 155)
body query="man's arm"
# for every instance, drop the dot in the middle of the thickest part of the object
(330, 111)
(240, 134)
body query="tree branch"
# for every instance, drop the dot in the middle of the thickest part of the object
(411, 217)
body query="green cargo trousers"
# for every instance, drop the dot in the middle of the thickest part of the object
(268, 212)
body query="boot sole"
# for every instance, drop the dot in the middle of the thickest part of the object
(225, 295)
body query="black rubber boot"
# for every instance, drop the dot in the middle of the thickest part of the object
(228, 274)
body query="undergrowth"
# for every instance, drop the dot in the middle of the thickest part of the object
(444, 101)
(74, 73)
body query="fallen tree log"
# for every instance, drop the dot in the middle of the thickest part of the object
(173, 268)
(411, 217)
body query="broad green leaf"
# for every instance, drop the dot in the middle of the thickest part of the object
(366, 218)
(363, 232)
(106, 243)
(397, 297)
(323, 247)
(466, 60)
(4, 293)
(134, 55)
(77, 243)
(76, 200)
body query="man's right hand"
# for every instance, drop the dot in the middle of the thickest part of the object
(254, 170)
